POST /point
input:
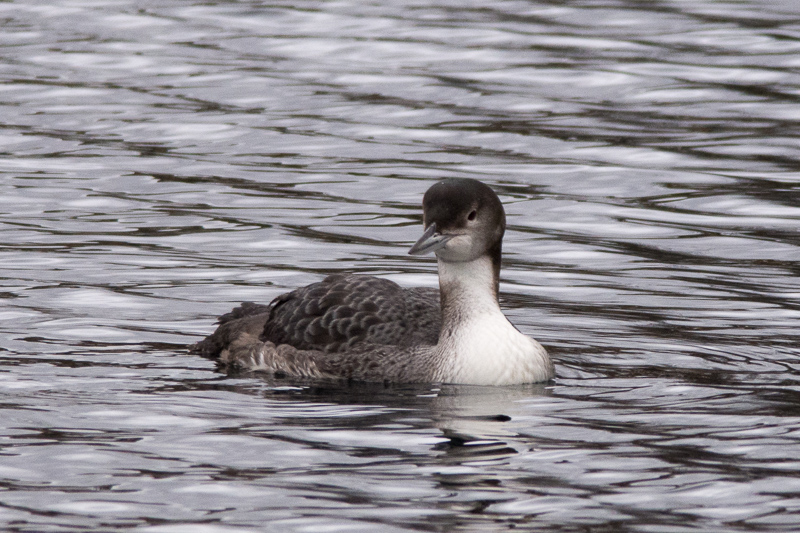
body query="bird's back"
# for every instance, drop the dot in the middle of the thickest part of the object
(335, 315)
(345, 310)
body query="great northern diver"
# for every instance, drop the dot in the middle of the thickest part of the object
(370, 329)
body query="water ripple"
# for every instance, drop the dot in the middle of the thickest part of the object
(163, 162)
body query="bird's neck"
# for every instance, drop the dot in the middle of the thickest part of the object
(468, 290)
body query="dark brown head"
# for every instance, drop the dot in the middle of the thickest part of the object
(464, 220)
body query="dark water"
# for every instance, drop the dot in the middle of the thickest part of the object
(163, 161)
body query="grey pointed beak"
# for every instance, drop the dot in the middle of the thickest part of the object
(430, 241)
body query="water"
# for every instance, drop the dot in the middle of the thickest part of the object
(163, 161)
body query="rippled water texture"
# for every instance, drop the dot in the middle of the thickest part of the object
(163, 161)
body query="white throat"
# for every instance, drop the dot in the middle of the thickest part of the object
(477, 344)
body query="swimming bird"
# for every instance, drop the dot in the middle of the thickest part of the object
(365, 328)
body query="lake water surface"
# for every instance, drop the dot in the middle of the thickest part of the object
(161, 162)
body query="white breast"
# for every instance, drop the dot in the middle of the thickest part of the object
(478, 345)
(488, 350)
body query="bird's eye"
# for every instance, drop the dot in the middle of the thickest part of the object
(472, 215)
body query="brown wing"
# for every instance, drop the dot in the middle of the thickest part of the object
(343, 311)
